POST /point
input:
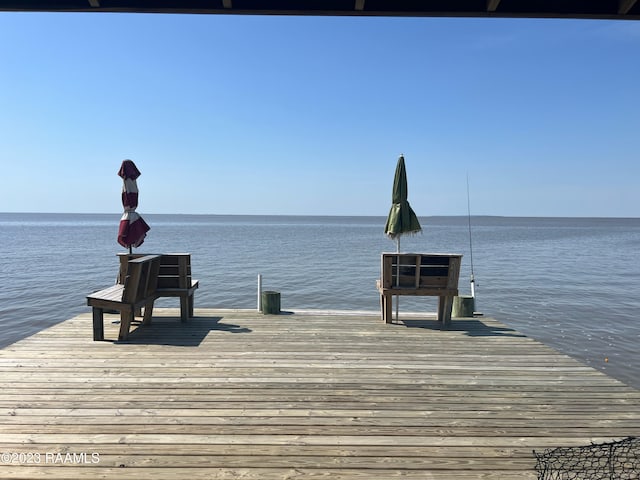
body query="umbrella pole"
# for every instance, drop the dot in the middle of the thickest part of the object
(397, 275)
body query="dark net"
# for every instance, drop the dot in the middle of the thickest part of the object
(618, 460)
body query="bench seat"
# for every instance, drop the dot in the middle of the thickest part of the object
(186, 297)
(106, 296)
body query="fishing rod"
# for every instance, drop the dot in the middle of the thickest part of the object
(473, 284)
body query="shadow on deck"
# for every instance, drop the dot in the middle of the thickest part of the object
(473, 328)
(171, 331)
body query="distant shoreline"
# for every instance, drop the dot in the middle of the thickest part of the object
(284, 215)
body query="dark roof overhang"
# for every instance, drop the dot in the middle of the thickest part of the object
(595, 9)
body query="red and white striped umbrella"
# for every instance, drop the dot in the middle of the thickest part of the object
(133, 229)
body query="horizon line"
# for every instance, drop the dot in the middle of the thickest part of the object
(321, 215)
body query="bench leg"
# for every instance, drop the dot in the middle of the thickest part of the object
(387, 308)
(445, 305)
(190, 302)
(148, 313)
(184, 308)
(126, 317)
(98, 324)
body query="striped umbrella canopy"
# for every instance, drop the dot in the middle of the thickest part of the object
(133, 229)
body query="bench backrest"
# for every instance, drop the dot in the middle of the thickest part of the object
(140, 278)
(420, 270)
(174, 272)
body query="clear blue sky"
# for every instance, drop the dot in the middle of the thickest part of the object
(303, 115)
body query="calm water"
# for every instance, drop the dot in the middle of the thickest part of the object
(571, 283)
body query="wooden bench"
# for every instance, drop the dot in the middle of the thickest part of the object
(137, 290)
(174, 279)
(422, 274)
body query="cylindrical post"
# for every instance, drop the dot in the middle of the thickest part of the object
(270, 302)
(259, 292)
(463, 306)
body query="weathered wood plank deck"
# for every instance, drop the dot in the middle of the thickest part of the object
(234, 394)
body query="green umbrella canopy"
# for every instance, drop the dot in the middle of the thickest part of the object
(402, 219)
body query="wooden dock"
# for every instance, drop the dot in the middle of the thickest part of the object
(239, 395)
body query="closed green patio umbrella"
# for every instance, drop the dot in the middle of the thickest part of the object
(402, 220)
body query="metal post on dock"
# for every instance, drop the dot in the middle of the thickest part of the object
(259, 292)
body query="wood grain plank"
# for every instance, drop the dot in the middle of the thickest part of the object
(232, 394)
